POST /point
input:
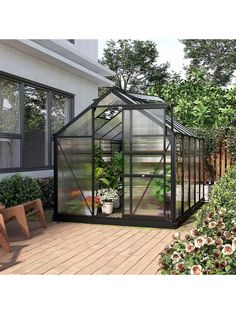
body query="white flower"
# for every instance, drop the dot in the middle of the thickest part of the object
(107, 195)
(222, 226)
(200, 241)
(196, 270)
(227, 249)
(180, 266)
(176, 257)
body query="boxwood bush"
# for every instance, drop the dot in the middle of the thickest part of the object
(210, 248)
(18, 189)
(47, 189)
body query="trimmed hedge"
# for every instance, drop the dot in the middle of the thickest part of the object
(18, 189)
(210, 248)
(47, 189)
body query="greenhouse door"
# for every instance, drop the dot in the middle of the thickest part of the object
(145, 170)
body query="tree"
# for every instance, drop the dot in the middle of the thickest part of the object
(198, 101)
(134, 62)
(217, 57)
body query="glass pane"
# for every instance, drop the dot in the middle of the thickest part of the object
(9, 153)
(60, 111)
(110, 128)
(145, 123)
(9, 107)
(35, 145)
(179, 176)
(75, 175)
(186, 173)
(111, 100)
(81, 126)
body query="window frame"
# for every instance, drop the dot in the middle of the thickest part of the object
(49, 90)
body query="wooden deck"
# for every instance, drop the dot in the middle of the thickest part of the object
(72, 248)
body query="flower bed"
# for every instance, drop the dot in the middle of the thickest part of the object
(210, 248)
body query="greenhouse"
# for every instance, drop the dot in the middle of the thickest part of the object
(125, 160)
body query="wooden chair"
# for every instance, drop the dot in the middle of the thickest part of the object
(20, 212)
(3, 234)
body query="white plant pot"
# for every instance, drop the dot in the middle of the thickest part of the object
(107, 207)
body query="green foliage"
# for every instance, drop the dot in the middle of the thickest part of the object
(47, 191)
(108, 175)
(134, 62)
(158, 185)
(18, 189)
(198, 101)
(210, 248)
(217, 57)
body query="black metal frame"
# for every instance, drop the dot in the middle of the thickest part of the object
(170, 127)
(49, 90)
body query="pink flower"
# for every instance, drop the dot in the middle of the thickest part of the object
(189, 247)
(222, 226)
(176, 257)
(219, 241)
(227, 249)
(196, 270)
(227, 235)
(212, 224)
(180, 266)
(209, 241)
(194, 232)
(200, 241)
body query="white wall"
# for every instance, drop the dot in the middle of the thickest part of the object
(88, 47)
(21, 64)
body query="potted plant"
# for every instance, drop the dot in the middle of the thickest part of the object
(107, 198)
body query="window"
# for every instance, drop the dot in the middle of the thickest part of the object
(29, 116)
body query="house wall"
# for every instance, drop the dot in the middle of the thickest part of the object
(15, 62)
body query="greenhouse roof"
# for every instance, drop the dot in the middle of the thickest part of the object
(118, 99)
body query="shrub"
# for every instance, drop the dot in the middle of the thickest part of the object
(47, 190)
(210, 248)
(18, 189)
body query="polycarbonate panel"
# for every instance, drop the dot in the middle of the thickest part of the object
(179, 175)
(186, 173)
(81, 126)
(110, 127)
(144, 123)
(127, 196)
(148, 196)
(75, 176)
(146, 144)
(111, 100)
(144, 164)
(197, 171)
(192, 181)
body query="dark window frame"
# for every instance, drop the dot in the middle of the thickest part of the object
(49, 90)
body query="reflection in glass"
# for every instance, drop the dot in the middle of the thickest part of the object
(9, 153)
(35, 146)
(9, 107)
